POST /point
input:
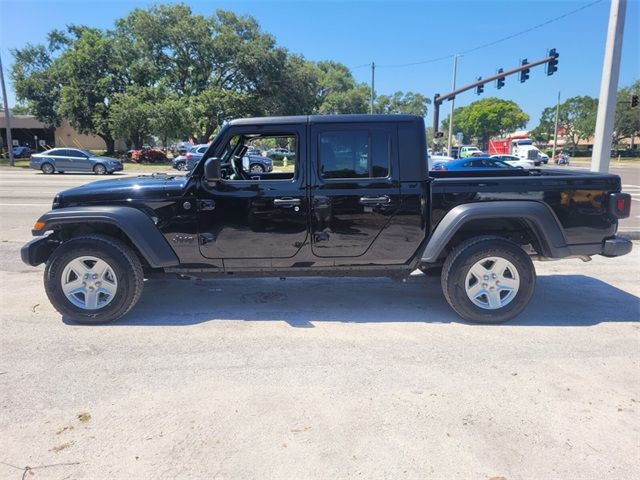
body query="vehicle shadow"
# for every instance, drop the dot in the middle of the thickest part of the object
(559, 300)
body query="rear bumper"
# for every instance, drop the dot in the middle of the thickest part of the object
(616, 247)
(38, 250)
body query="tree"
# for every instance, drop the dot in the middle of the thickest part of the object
(36, 82)
(576, 118)
(131, 114)
(486, 118)
(171, 118)
(627, 120)
(73, 78)
(90, 84)
(399, 102)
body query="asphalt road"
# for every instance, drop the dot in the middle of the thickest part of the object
(316, 378)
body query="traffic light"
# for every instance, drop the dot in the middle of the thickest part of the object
(634, 100)
(500, 81)
(552, 65)
(479, 88)
(524, 74)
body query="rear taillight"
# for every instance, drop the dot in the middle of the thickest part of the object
(189, 155)
(619, 204)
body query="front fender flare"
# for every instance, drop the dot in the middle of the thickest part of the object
(536, 215)
(134, 223)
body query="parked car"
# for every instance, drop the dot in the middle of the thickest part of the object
(73, 160)
(339, 215)
(474, 163)
(188, 160)
(257, 164)
(516, 161)
(21, 151)
(254, 151)
(194, 155)
(280, 153)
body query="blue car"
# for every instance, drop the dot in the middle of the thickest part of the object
(474, 163)
(21, 151)
(73, 160)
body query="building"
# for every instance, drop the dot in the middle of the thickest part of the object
(29, 131)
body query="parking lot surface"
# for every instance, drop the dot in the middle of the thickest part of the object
(316, 378)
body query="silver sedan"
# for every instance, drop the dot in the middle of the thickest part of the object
(73, 160)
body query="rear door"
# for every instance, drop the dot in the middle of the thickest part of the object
(355, 190)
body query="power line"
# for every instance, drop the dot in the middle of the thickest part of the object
(490, 44)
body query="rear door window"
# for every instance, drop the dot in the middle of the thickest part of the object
(354, 154)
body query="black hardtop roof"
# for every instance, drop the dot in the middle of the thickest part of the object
(309, 119)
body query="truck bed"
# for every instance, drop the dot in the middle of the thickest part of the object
(578, 199)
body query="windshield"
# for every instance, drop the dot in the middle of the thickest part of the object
(524, 142)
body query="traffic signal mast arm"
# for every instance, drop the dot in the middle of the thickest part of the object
(440, 99)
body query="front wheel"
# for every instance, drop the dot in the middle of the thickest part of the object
(93, 279)
(99, 169)
(256, 168)
(488, 279)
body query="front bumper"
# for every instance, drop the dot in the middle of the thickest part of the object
(116, 168)
(616, 247)
(38, 250)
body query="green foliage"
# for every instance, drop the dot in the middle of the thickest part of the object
(399, 102)
(627, 122)
(168, 72)
(486, 118)
(576, 118)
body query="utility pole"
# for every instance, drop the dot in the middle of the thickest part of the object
(7, 116)
(373, 78)
(555, 129)
(453, 87)
(609, 88)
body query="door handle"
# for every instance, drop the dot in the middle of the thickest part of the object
(381, 200)
(286, 202)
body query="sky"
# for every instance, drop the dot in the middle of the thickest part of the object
(396, 33)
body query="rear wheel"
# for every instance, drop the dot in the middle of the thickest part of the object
(99, 169)
(47, 168)
(93, 279)
(488, 279)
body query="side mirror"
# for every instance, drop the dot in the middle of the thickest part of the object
(212, 169)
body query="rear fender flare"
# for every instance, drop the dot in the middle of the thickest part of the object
(538, 217)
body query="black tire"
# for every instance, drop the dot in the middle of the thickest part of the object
(256, 168)
(121, 258)
(458, 265)
(47, 168)
(99, 169)
(181, 166)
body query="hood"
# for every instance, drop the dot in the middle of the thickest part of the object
(143, 187)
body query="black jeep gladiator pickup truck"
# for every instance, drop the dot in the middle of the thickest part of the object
(356, 199)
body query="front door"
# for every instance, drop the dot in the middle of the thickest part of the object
(355, 191)
(248, 217)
